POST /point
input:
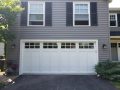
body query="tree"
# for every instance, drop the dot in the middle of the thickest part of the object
(8, 13)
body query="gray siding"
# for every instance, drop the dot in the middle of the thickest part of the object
(59, 30)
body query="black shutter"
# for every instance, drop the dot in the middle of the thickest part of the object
(93, 14)
(48, 14)
(24, 13)
(118, 18)
(69, 14)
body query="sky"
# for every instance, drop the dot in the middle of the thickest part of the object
(115, 4)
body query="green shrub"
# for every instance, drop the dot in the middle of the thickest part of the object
(2, 85)
(108, 70)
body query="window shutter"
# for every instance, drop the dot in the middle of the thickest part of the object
(69, 14)
(48, 14)
(118, 18)
(93, 14)
(24, 13)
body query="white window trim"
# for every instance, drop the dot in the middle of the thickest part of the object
(28, 13)
(81, 2)
(115, 17)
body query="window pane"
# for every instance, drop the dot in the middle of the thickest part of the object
(35, 22)
(81, 8)
(91, 43)
(91, 47)
(36, 8)
(44, 46)
(68, 45)
(26, 43)
(84, 6)
(37, 46)
(26, 46)
(81, 22)
(81, 17)
(34, 17)
(86, 45)
(112, 23)
(114, 45)
(50, 45)
(83, 11)
(112, 17)
(31, 46)
(31, 43)
(81, 14)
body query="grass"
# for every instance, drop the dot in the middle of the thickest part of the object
(116, 84)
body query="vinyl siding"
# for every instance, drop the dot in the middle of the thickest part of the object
(59, 30)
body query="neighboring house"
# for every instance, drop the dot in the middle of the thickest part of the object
(115, 33)
(61, 36)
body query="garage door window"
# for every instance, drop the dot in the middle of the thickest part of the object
(32, 45)
(68, 45)
(50, 45)
(86, 45)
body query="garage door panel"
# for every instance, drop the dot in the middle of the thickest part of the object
(92, 61)
(83, 61)
(44, 62)
(54, 62)
(63, 62)
(27, 58)
(59, 57)
(35, 61)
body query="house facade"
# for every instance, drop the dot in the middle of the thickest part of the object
(61, 36)
(115, 33)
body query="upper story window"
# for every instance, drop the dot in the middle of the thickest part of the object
(81, 13)
(113, 20)
(36, 13)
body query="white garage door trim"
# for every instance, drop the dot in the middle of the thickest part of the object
(38, 40)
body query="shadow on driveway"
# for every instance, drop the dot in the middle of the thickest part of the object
(59, 82)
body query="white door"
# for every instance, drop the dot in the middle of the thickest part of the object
(58, 57)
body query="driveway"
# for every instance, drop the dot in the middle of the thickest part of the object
(59, 82)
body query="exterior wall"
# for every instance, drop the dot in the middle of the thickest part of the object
(59, 30)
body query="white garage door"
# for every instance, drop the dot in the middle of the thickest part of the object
(58, 57)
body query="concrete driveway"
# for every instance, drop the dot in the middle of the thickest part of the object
(59, 82)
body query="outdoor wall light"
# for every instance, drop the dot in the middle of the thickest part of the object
(104, 46)
(13, 46)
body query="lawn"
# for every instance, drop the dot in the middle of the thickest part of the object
(116, 84)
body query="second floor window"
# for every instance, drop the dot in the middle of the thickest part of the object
(36, 13)
(81, 14)
(113, 20)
